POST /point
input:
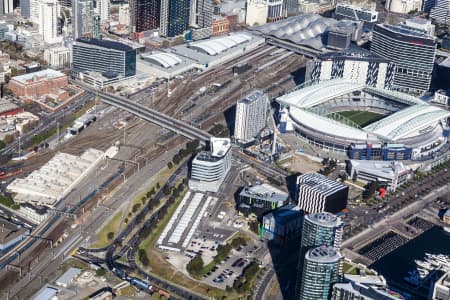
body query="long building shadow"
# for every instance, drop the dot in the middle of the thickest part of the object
(285, 257)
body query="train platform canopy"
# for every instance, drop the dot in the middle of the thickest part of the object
(201, 55)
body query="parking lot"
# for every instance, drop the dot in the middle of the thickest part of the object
(225, 272)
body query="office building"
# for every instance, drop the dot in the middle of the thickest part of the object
(209, 168)
(263, 196)
(427, 5)
(440, 13)
(33, 10)
(290, 7)
(82, 19)
(355, 13)
(57, 57)
(49, 12)
(318, 193)
(321, 269)
(96, 27)
(8, 7)
(124, 14)
(356, 65)
(420, 25)
(441, 288)
(204, 13)
(145, 14)
(339, 38)
(411, 51)
(38, 83)
(403, 6)
(34, 213)
(442, 97)
(390, 174)
(274, 10)
(25, 8)
(107, 57)
(256, 12)
(322, 229)
(367, 287)
(251, 115)
(175, 17)
(102, 9)
(282, 224)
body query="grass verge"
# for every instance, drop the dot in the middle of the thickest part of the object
(111, 226)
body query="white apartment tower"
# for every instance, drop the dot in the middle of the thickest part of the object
(57, 57)
(256, 12)
(7, 6)
(49, 10)
(102, 9)
(251, 115)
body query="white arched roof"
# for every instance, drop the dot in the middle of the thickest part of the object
(408, 121)
(167, 60)
(325, 125)
(319, 93)
(222, 44)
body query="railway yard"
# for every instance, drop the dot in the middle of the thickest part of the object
(144, 150)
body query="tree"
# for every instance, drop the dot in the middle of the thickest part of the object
(195, 266)
(2, 144)
(169, 165)
(110, 235)
(125, 221)
(157, 185)
(100, 272)
(371, 188)
(8, 139)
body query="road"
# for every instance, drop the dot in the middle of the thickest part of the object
(415, 207)
(135, 240)
(46, 123)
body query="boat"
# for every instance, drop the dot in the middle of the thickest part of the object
(447, 229)
(423, 264)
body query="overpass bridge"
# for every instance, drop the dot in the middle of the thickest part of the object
(151, 115)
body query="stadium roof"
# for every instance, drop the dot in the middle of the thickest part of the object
(326, 125)
(166, 60)
(222, 44)
(407, 121)
(319, 93)
(419, 117)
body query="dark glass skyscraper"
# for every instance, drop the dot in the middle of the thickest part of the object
(145, 14)
(107, 57)
(175, 16)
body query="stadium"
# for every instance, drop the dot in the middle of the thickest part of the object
(366, 122)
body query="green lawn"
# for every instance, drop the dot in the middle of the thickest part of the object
(362, 118)
(111, 226)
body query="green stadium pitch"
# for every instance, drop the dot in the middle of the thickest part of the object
(362, 118)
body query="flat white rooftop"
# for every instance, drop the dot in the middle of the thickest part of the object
(39, 75)
(220, 146)
(55, 179)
